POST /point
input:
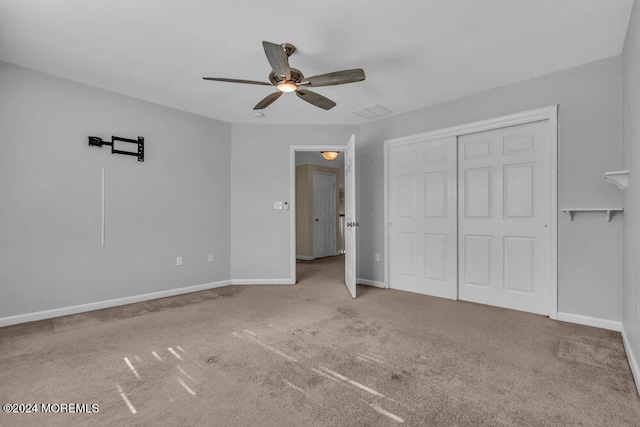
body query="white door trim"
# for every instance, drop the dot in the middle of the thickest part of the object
(547, 113)
(292, 196)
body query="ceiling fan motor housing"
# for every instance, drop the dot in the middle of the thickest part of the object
(288, 48)
(296, 77)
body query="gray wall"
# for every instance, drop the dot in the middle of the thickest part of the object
(176, 203)
(631, 293)
(204, 181)
(259, 177)
(589, 144)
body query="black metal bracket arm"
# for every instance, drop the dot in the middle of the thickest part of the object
(94, 141)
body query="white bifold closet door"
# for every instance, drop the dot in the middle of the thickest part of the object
(504, 196)
(422, 218)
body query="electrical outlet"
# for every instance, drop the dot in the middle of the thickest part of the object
(377, 257)
(210, 257)
(179, 261)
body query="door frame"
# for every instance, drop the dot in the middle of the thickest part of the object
(292, 195)
(547, 113)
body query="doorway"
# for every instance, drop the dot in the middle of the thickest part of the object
(350, 226)
(318, 186)
(471, 212)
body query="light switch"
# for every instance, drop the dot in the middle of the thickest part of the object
(277, 205)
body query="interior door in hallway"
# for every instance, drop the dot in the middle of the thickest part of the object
(504, 197)
(350, 255)
(324, 211)
(422, 218)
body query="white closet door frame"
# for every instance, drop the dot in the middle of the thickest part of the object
(548, 113)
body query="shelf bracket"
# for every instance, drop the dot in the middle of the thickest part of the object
(570, 213)
(619, 178)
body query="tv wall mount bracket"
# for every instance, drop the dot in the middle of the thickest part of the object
(94, 141)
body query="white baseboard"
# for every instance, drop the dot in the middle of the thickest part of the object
(262, 282)
(633, 361)
(305, 258)
(371, 283)
(590, 321)
(64, 311)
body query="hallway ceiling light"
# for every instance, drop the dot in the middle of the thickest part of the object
(329, 155)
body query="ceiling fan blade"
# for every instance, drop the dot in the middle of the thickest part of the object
(268, 100)
(278, 59)
(337, 78)
(248, 82)
(315, 99)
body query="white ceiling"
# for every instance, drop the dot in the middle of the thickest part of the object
(415, 53)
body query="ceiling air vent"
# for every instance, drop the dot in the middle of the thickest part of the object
(372, 111)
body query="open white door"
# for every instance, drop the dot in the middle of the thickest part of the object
(350, 216)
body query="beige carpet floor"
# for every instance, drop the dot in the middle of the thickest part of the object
(311, 355)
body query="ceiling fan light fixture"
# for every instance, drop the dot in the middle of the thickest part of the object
(329, 155)
(287, 87)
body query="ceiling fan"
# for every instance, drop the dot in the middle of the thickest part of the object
(287, 79)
